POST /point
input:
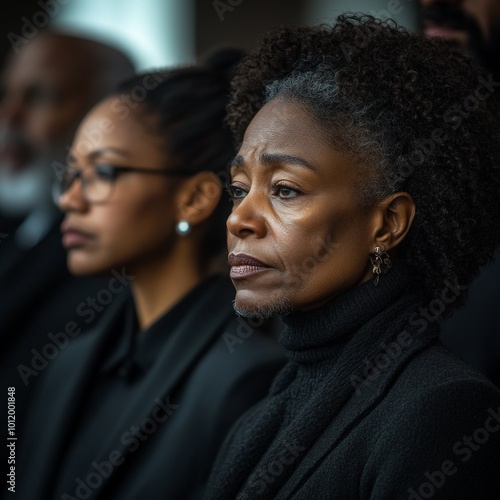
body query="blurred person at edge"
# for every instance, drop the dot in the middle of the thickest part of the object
(46, 88)
(138, 407)
(473, 332)
(473, 24)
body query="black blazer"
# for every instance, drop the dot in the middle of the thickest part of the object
(211, 383)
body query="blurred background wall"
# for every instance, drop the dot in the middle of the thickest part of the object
(169, 32)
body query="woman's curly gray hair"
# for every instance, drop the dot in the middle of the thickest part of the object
(416, 116)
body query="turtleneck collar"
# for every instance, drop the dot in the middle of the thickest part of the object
(317, 335)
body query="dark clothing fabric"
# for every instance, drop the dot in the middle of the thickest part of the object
(8, 225)
(367, 407)
(473, 332)
(121, 374)
(128, 415)
(38, 299)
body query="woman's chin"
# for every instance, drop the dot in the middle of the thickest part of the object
(255, 305)
(84, 265)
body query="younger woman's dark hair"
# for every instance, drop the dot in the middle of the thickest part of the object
(415, 115)
(190, 103)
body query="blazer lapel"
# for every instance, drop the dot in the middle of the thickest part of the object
(74, 372)
(187, 344)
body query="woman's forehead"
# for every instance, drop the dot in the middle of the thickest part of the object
(284, 124)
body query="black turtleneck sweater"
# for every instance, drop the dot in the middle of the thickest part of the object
(369, 406)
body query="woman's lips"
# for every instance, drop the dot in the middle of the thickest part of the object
(441, 31)
(243, 265)
(73, 237)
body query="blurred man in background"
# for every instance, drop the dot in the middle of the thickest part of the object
(473, 332)
(473, 24)
(47, 87)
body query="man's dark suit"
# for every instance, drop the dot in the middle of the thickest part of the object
(38, 296)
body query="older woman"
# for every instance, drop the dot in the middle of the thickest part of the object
(366, 195)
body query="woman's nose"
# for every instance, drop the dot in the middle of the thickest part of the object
(73, 198)
(248, 217)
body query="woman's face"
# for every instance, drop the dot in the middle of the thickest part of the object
(297, 212)
(136, 224)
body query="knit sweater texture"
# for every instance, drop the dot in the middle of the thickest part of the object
(370, 405)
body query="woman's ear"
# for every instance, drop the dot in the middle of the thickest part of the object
(395, 215)
(198, 197)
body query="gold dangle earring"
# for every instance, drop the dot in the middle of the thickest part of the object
(381, 263)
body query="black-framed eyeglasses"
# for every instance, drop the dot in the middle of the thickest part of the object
(99, 180)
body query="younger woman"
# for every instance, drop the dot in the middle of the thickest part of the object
(138, 407)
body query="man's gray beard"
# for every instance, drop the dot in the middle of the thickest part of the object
(280, 308)
(24, 191)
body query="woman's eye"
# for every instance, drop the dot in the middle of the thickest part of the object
(236, 192)
(105, 172)
(285, 192)
(69, 176)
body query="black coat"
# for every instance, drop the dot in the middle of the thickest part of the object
(209, 381)
(370, 406)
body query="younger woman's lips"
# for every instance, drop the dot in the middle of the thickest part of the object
(73, 239)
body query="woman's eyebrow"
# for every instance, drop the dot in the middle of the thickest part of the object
(274, 158)
(94, 155)
(269, 159)
(237, 161)
(100, 152)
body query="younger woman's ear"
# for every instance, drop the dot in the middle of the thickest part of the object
(395, 214)
(198, 197)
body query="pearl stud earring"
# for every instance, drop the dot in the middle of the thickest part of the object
(183, 227)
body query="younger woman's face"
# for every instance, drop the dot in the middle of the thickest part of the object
(136, 223)
(298, 234)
